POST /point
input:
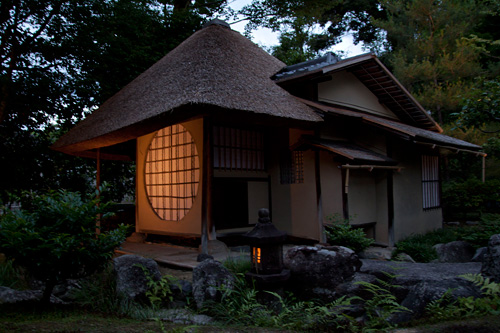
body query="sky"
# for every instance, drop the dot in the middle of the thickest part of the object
(266, 37)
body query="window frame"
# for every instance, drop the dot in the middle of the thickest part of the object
(431, 182)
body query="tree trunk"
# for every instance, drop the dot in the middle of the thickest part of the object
(47, 292)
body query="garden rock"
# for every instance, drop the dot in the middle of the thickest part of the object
(183, 317)
(491, 263)
(319, 268)
(457, 251)
(131, 280)
(209, 277)
(65, 291)
(181, 290)
(12, 296)
(376, 253)
(404, 258)
(425, 292)
(480, 254)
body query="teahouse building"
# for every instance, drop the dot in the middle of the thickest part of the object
(219, 129)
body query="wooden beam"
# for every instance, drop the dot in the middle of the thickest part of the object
(207, 225)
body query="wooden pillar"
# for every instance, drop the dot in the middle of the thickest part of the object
(98, 188)
(319, 199)
(483, 173)
(207, 224)
(345, 192)
(390, 206)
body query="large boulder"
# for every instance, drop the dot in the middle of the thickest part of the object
(491, 263)
(421, 294)
(131, 278)
(317, 270)
(210, 277)
(413, 284)
(457, 251)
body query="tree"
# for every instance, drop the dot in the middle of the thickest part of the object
(313, 25)
(481, 108)
(429, 51)
(60, 60)
(55, 240)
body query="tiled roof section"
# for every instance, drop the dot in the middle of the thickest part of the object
(417, 134)
(348, 150)
(306, 66)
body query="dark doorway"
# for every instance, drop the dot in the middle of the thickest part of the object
(230, 203)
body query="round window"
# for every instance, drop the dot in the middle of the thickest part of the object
(172, 173)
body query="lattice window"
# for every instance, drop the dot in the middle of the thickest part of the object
(431, 197)
(172, 173)
(238, 149)
(292, 168)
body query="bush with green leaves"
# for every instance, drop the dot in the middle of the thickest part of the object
(479, 235)
(11, 276)
(56, 240)
(420, 247)
(468, 199)
(340, 232)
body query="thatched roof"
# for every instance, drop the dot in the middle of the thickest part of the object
(215, 69)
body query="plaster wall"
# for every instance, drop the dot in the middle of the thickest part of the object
(281, 213)
(146, 220)
(331, 186)
(362, 196)
(346, 90)
(304, 211)
(409, 216)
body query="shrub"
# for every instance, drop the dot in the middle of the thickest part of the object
(340, 232)
(470, 198)
(478, 236)
(11, 276)
(420, 247)
(98, 293)
(57, 239)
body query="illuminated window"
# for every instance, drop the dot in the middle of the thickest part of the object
(172, 173)
(430, 182)
(238, 149)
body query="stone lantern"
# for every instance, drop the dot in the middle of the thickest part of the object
(266, 252)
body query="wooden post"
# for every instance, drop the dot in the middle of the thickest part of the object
(98, 188)
(207, 225)
(345, 192)
(483, 173)
(319, 199)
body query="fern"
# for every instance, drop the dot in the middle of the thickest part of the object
(447, 308)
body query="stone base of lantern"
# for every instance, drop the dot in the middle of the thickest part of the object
(269, 281)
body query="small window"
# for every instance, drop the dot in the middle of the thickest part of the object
(430, 182)
(172, 173)
(292, 168)
(238, 149)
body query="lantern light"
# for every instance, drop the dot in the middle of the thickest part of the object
(266, 249)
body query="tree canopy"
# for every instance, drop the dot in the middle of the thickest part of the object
(59, 61)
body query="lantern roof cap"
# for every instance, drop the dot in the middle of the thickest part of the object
(264, 231)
